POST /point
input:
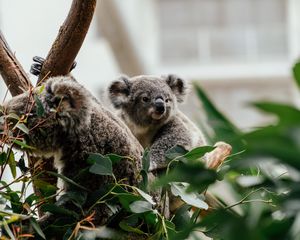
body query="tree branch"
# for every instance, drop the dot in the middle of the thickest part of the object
(114, 30)
(69, 40)
(11, 70)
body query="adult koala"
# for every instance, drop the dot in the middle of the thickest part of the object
(71, 125)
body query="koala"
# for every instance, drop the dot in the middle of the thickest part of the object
(73, 125)
(149, 107)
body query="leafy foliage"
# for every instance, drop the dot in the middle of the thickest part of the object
(262, 176)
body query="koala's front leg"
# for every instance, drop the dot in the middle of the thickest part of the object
(36, 67)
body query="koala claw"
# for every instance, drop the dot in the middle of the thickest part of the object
(36, 67)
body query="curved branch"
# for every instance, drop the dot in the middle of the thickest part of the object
(69, 39)
(11, 70)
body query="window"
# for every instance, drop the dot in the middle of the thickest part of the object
(212, 31)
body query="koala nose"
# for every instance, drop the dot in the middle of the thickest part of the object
(159, 105)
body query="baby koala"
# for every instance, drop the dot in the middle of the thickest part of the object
(148, 105)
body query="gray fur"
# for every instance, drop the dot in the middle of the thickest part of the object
(74, 125)
(136, 99)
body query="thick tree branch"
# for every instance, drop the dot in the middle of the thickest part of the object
(11, 70)
(69, 40)
(114, 30)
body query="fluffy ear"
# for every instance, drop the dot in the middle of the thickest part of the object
(119, 91)
(178, 86)
(66, 95)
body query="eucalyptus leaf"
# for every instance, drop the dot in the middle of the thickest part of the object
(3, 158)
(145, 196)
(37, 228)
(40, 110)
(126, 227)
(192, 199)
(54, 209)
(249, 181)
(140, 207)
(22, 127)
(68, 180)
(23, 144)
(12, 163)
(102, 165)
(198, 152)
(114, 158)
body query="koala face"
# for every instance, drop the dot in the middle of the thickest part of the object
(65, 109)
(147, 100)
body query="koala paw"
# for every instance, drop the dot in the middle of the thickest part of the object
(216, 157)
(36, 67)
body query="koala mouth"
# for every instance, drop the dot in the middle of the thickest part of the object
(157, 116)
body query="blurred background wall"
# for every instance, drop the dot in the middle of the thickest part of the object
(238, 50)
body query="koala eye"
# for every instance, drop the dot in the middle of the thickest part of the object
(168, 100)
(145, 99)
(57, 100)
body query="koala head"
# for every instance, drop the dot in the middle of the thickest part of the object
(147, 100)
(60, 107)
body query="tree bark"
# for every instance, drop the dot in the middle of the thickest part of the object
(11, 70)
(114, 30)
(69, 40)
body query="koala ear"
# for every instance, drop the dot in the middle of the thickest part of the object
(66, 94)
(119, 91)
(178, 86)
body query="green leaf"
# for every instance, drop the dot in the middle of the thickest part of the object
(77, 197)
(127, 198)
(37, 228)
(21, 165)
(12, 164)
(272, 141)
(31, 198)
(195, 174)
(46, 188)
(175, 152)
(13, 116)
(53, 208)
(22, 127)
(193, 199)
(170, 229)
(40, 111)
(23, 144)
(140, 207)
(102, 165)
(146, 160)
(249, 181)
(3, 158)
(182, 217)
(68, 180)
(287, 114)
(296, 72)
(114, 158)
(126, 227)
(7, 229)
(41, 89)
(145, 196)
(198, 152)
